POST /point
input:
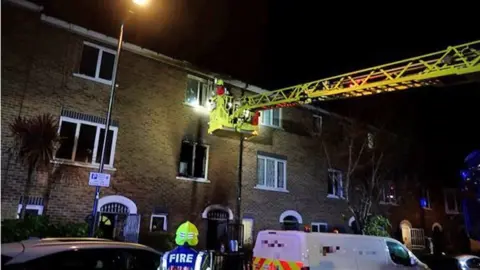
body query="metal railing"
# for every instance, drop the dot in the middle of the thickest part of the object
(230, 261)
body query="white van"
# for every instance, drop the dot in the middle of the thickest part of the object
(296, 250)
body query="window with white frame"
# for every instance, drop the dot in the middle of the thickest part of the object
(335, 183)
(425, 199)
(271, 173)
(30, 210)
(247, 231)
(96, 63)
(319, 227)
(82, 142)
(317, 124)
(370, 140)
(389, 194)
(158, 223)
(198, 91)
(451, 203)
(193, 160)
(271, 118)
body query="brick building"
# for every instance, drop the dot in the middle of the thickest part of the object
(165, 168)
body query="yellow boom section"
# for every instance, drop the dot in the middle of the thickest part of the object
(409, 73)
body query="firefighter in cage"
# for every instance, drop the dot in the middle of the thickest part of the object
(184, 256)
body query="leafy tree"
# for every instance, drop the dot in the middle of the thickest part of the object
(35, 142)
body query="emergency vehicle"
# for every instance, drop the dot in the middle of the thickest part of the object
(297, 250)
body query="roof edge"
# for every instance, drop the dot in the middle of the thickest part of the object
(27, 5)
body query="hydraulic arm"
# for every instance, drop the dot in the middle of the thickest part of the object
(238, 113)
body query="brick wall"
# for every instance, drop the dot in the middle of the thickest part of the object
(38, 64)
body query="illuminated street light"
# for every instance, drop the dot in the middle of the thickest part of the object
(141, 2)
(109, 115)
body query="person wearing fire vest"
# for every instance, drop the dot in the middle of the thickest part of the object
(184, 256)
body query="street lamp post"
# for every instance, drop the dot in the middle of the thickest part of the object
(108, 120)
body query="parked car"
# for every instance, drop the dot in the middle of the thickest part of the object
(78, 254)
(447, 262)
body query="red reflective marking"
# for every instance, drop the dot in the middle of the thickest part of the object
(260, 263)
(285, 265)
(299, 264)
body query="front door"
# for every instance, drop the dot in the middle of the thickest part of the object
(217, 221)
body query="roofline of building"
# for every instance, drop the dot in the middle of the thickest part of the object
(82, 31)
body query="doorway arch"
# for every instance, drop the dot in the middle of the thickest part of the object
(117, 199)
(217, 217)
(213, 207)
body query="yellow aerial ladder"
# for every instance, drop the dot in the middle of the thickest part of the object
(236, 114)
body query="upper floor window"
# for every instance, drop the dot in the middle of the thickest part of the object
(198, 91)
(425, 199)
(96, 63)
(317, 124)
(389, 195)
(335, 183)
(370, 140)
(193, 161)
(82, 142)
(271, 173)
(451, 203)
(271, 118)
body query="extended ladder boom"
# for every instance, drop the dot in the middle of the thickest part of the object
(401, 75)
(232, 114)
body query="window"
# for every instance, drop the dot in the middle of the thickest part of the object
(198, 91)
(317, 124)
(451, 204)
(96, 63)
(389, 195)
(247, 231)
(319, 227)
(335, 183)
(370, 140)
(399, 254)
(271, 118)
(425, 199)
(193, 160)
(82, 142)
(271, 173)
(31, 210)
(158, 223)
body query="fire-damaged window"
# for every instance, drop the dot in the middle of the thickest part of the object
(96, 63)
(82, 142)
(198, 91)
(193, 160)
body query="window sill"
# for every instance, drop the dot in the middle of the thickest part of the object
(272, 126)
(452, 213)
(81, 164)
(197, 107)
(330, 196)
(427, 208)
(271, 189)
(389, 203)
(191, 179)
(78, 75)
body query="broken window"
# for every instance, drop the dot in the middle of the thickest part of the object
(82, 141)
(193, 160)
(198, 91)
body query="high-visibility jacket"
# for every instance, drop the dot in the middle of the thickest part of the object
(183, 258)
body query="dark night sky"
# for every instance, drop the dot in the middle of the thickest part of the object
(279, 43)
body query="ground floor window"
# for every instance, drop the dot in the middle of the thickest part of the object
(247, 231)
(290, 223)
(34, 206)
(158, 223)
(319, 227)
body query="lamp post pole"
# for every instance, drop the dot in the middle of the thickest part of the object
(107, 128)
